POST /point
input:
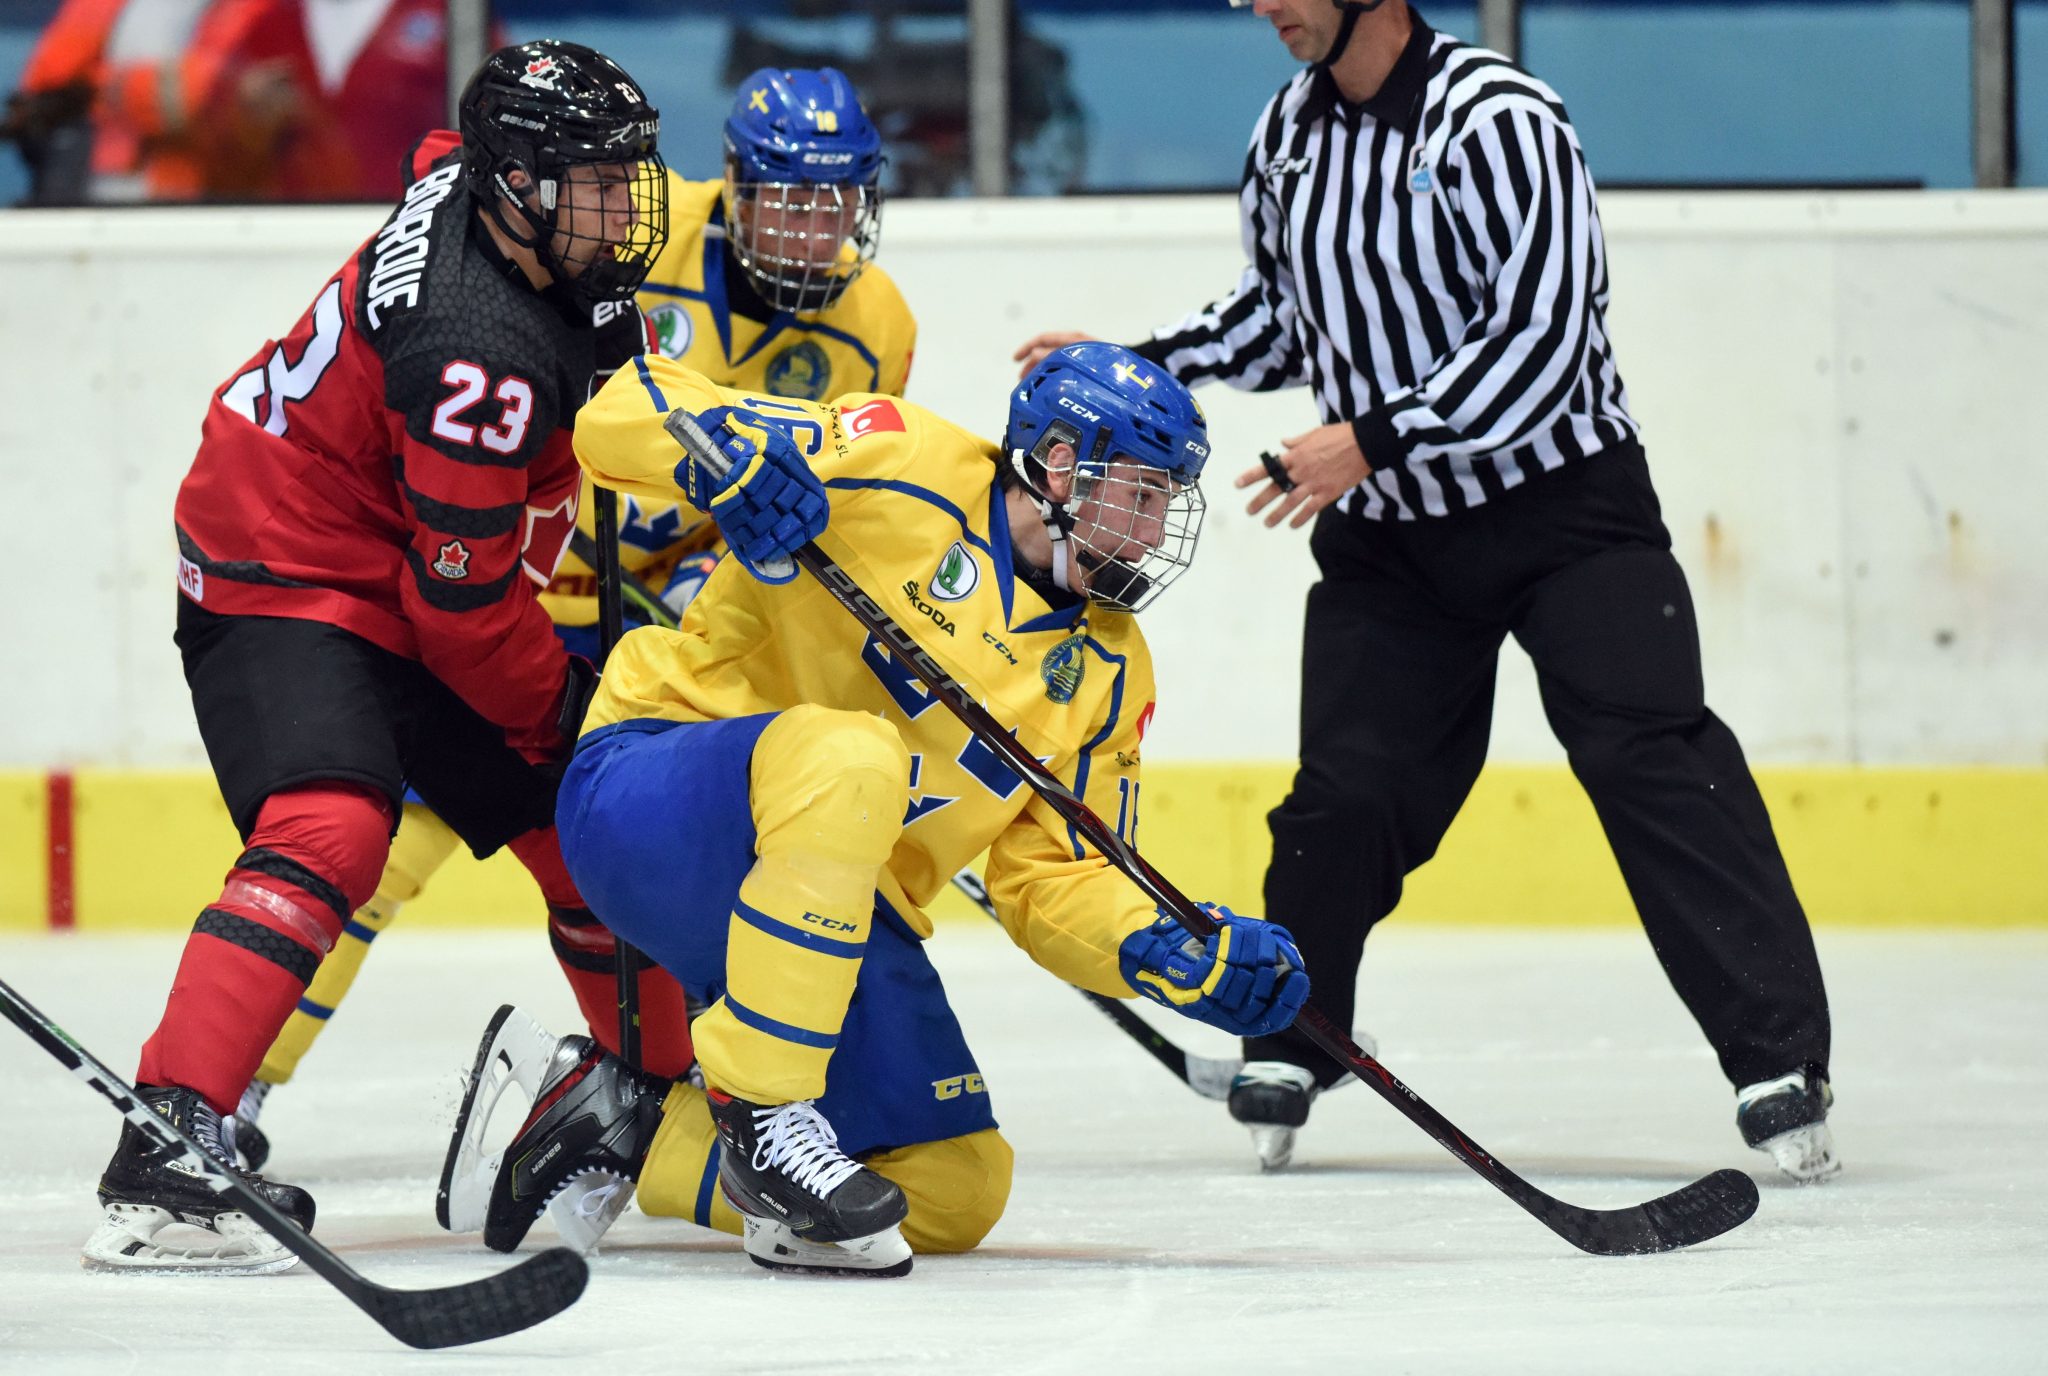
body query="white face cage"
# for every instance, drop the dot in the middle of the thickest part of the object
(1133, 531)
(802, 243)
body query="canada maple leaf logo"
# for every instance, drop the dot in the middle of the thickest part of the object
(452, 560)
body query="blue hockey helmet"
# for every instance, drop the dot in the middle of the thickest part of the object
(1129, 523)
(803, 197)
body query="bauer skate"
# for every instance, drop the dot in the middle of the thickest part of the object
(1788, 1118)
(162, 1215)
(589, 1120)
(806, 1205)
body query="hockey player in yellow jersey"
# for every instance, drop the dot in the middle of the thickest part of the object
(764, 801)
(767, 284)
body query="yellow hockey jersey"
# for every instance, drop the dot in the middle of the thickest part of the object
(919, 521)
(863, 343)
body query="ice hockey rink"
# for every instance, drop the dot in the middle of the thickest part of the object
(1140, 1237)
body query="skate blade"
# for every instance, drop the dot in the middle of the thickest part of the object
(141, 1239)
(775, 1247)
(584, 1208)
(1806, 1155)
(514, 1054)
(1275, 1146)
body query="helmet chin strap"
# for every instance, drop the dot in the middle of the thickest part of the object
(1352, 9)
(540, 230)
(1059, 527)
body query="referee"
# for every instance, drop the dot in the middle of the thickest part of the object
(1426, 256)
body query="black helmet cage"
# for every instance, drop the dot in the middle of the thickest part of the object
(542, 109)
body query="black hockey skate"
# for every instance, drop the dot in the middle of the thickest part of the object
(807, 1206)
(148, 1189)
(578, 1155)
(1272, 1098)
(1788, 1117)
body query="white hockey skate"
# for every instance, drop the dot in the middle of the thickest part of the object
(776, 1246)
(514, 1054)
(141, 1238)
(1788, 1118)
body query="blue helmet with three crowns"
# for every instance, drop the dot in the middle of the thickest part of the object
(803, 196)
(1118, 536)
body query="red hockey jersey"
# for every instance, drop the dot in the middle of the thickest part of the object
(399, 464)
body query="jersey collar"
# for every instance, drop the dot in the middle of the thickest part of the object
(1399, 99)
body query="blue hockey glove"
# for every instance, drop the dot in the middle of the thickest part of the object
(1247, 979)
(768, 504)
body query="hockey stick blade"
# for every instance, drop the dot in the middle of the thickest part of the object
(520, 1297)
(1705, 1209)
(536, 1289)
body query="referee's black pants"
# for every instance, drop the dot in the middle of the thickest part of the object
(1398, 663)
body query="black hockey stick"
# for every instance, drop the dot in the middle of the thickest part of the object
(518, 1297)
(1207, 1076)
(1704, 1209)
(603, 557)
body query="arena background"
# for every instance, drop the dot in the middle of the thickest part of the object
(1841, 396)
(1835, 349)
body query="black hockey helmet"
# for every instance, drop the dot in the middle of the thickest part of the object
(544, 109)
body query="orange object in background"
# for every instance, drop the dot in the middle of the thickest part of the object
(307, 101)
(243, 100)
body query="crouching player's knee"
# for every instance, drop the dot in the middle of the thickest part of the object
(830, 786)
(957, 1188)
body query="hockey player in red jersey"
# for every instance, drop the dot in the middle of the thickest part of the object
(375, 502)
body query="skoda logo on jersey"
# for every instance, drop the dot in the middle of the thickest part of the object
(1062, 668)
(672, 330)
(958, 575)
(801, 370)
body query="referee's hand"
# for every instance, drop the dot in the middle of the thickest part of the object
(1318, 468)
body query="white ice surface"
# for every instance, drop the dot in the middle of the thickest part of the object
(1139, 1236)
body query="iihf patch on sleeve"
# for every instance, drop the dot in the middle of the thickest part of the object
(191, 581)
(453, 561)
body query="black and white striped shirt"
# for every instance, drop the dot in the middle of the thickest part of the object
(1430, 262)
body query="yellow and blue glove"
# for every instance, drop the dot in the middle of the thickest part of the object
(768, 504)
(1246, 979)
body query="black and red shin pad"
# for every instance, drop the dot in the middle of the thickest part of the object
(313, 858)
(588, 955)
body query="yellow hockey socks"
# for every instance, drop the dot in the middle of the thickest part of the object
(829, 789)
